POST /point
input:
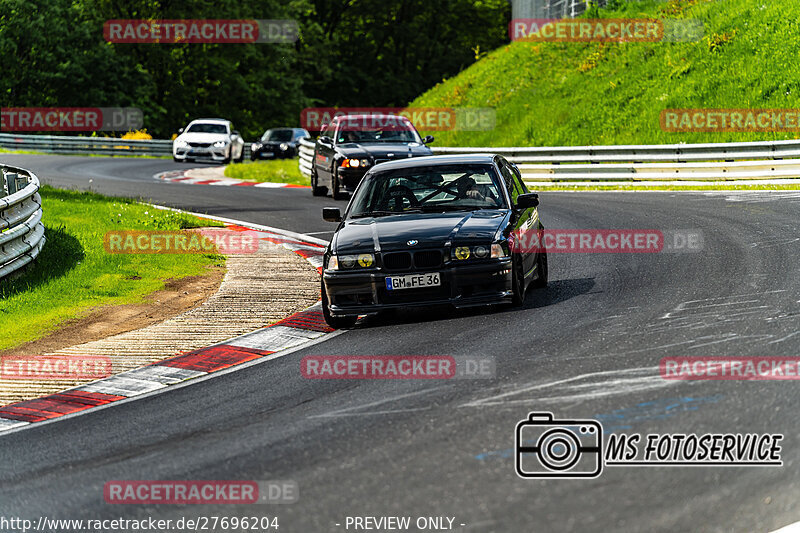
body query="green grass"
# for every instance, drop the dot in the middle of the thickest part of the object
(556, 94)
(73, 273)
(275, 171)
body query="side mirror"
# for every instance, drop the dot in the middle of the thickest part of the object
(331, 214)
(428, 139)
(525, 201)
(236, 133)
(324, 139)
(180, 130)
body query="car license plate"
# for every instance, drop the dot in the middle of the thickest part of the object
(413, 281)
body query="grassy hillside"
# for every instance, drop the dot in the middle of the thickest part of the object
(553, 94)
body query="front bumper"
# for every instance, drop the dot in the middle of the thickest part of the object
(349, 178)
(269, 152)
(462, 285)
(188, 152)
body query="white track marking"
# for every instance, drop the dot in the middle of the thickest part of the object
(584, 387)
(275, 338)
(791, 528)
(7, 424)
(122, 386)
(168, 375)
(261, 227)
(347, 410)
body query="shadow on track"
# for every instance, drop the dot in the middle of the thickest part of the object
(556, 292)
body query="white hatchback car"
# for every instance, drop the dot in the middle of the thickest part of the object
(208, 138)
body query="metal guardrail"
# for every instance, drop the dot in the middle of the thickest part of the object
(58, 144)
(665, 162)
(306, 154)
(21, 229)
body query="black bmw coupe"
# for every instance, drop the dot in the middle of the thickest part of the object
(432, 230)
(350, 145)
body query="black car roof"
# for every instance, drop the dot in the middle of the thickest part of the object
(426, 161)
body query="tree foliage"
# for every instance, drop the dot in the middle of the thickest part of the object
(350, 53)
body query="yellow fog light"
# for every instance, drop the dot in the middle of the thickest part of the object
(366, 260)
(462, 252)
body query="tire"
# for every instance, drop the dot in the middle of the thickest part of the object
(316, 189)
(336, 193)
(176, 159)
(517, 283)
(241, 156)
(541, 268)
(336, 322)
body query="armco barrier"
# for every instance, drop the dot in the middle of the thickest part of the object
(666, 162)
(62, 144)
(21, 228)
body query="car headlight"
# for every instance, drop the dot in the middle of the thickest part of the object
(255, 146)
(498, 251)
(284, 147)
(462, 253)
(220, 144)
(354, 163)
(181, 144)
(349, 262)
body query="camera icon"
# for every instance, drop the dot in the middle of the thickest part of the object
(548, 448)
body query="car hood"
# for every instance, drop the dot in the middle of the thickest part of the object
(430, 230)
(202, 137)
(384, 150)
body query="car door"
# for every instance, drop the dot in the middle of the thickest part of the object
(323, 156)
(525, 220)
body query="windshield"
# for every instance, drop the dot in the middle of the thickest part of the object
(376, 129)
(428, 189)
(205, 127)
(277, 136)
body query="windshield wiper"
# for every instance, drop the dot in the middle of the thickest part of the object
(429, 208)
(386, 213)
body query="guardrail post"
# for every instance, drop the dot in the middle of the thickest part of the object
(11, 183)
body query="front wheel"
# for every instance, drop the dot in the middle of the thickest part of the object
(541, 270)
(241, 156)
(517, 283)
(316, 189)
(336, 322)
(336, 192)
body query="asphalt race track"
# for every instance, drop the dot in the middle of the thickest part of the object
(588, 346)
